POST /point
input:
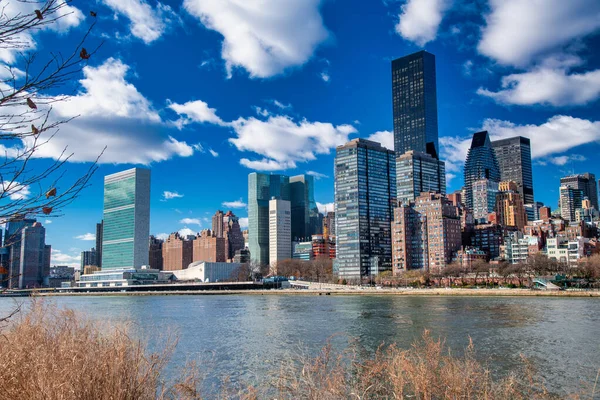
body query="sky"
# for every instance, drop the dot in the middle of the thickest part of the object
(203, 92)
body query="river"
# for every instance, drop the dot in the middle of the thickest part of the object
(244, 336)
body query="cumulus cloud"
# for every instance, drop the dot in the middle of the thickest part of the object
(420, 20)
(563, 160)
(234, 204)
(16, 191)
(190, 221)
(557, 135)
(57, 257)
(548, 26)
(162, 236)
(317, 175)
(186, 232)
(264, 43)
(195, 111)
(386, 138)
(243, 223)
(146, 23)
(282, 142)
(547, 86)
(325, 207)
(167, 195)
(110, 112)
(86, 236)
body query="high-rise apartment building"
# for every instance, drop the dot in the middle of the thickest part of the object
(514, 159)
(305, 214)
(417, 173)
(208, 247)
(481, 164)
(218, 224)
(570, 200)
(99, 229)
(126, 219)
(415, 104)
(234, 240)
(425, 233)
(261, 188)
(365, 195)
(510, 209)
(280, 231)
(329, 224)
(155, 258)
(484, 199)
(88, 257)
(176, 253)
(34, 261)
(586, 183)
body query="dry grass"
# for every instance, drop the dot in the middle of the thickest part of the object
(48, 353)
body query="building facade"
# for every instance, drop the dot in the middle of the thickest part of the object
(280, 231)
(510, 209)
(514, 159)
(99, 229)
(365, 195)
(586, 183)
(484, 193)
(481, 164)
(261, 187)
(218, 224)
(232, 233)
(155, 258)
(208, 247)
(34, 261)
(177, 252)
(425, 233)
(570, 200)
(329, 223)
(414, 98)
(305, 214)
(417, 173)
(88, 257)
(126, 219)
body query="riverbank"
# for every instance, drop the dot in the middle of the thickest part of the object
(349, 292)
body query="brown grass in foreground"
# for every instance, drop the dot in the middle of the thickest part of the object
(48, 353)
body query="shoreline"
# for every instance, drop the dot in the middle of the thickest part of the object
(349, 292)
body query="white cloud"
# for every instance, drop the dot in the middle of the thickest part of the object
(86, 236)
(386, 138)
(317, 175)
(110, 112)
(243, 223)
(234, 204)
(195, 111)
(48, 221)
(546, 26)
(325, 76)
(57, 257)
(263, 112)
(186, 232)
(281, 105)
(264, 37)
(325, 207)
(420, 20)
(190, 221)
(147, 23)
(213, 153)
(563, 160)
(162, 236)
(549, 86)
(283, 142)
(557, 135)
(167, 195)
(15, 190)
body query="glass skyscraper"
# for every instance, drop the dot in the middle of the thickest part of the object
(586, 183)
(305, 214)
(416, 173)
(514, 159)
(365, 195)
(481, 164)
(261, 188)
(415, 104)
(126, 226)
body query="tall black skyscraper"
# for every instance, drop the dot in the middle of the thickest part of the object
(481, 164)
(514, 158)
(415, 104)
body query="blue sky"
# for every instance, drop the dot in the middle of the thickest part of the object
(204, 92)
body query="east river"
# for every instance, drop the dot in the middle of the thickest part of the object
(244, 337)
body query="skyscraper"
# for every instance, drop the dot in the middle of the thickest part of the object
(585, 182)
(514, 159)
(261, 188)
(155, 258)
(481, 164)
(99, 244)
(415, 104)
(509, 205)
(34, 262)
(416, 173)
(305, 216)
(88, 257)
(484, 199)
(280, 231)
(13, 235)
(217, 224)
(126, 219)
(234, 240)
(365, 194)
(570, 200)
(176, 252)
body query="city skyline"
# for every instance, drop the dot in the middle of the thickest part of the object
(224, 119)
